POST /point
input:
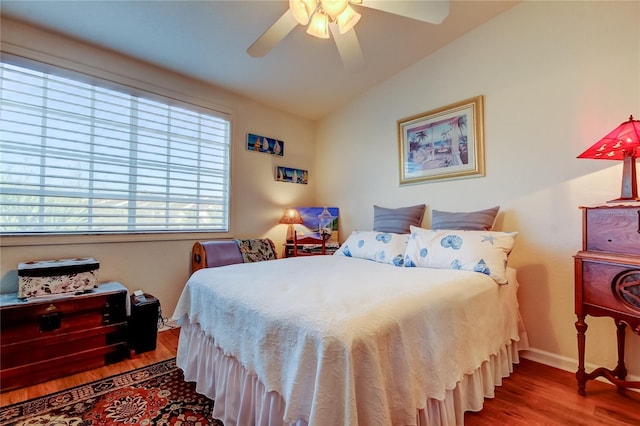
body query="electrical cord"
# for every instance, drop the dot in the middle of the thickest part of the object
(163, 322)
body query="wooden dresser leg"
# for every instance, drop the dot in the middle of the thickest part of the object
(621, 371)
(581, 374)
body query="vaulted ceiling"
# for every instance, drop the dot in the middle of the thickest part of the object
(208, 40)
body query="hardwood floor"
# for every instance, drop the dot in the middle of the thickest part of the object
(533, 395)
(536, 394)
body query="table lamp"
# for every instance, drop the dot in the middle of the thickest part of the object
(290, 217)
(623, 143)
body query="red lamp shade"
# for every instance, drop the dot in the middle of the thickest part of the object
(623, 143)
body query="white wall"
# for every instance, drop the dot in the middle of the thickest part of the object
(161, 267)
(556, 76)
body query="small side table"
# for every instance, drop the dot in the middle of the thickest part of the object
(607, 281)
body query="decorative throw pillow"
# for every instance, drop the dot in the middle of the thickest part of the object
(471, 221)
(256, 250)
(478, 251)
(398, 220)
(383, 247)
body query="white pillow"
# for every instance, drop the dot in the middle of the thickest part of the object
(478, 251)
(383, 247)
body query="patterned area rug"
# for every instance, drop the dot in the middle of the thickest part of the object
(152, 395)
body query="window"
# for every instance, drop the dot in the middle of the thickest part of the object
(78, 158)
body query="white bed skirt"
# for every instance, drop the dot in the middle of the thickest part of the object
(242, 400)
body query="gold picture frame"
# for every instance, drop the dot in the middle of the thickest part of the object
(442, 144)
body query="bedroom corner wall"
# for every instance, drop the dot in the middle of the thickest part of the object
(556, 77)
(157, 265)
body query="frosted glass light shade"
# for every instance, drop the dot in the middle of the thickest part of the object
(319, 26)
(333, 8)
(302, 10)
(347, 19)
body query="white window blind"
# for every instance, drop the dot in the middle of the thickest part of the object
(79, 158)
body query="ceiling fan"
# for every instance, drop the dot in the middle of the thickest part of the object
(339, 18)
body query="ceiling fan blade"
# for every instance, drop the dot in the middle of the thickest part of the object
(279, 30)
(432, 11)
(349, 48)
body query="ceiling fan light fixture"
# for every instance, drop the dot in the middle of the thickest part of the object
(302, 10)
(333, 8)
(347, 19)
(319, 26)
(338, 17)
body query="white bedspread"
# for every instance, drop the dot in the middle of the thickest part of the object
(351, 341)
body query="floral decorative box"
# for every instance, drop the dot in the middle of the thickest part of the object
(49, 277)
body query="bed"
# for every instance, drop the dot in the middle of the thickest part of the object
(350, 339)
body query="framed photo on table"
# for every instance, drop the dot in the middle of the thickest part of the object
(444, 143)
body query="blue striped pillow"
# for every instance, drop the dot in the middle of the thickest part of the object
(482, 220)
(398, 220)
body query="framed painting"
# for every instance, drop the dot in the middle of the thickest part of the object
(444, 143)
(264, 144)
(317, 220)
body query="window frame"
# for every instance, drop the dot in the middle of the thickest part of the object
(87, 74)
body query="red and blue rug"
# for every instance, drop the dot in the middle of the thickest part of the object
(153, 395)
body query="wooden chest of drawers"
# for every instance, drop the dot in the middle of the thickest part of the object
(42, 339)
(607, 281)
